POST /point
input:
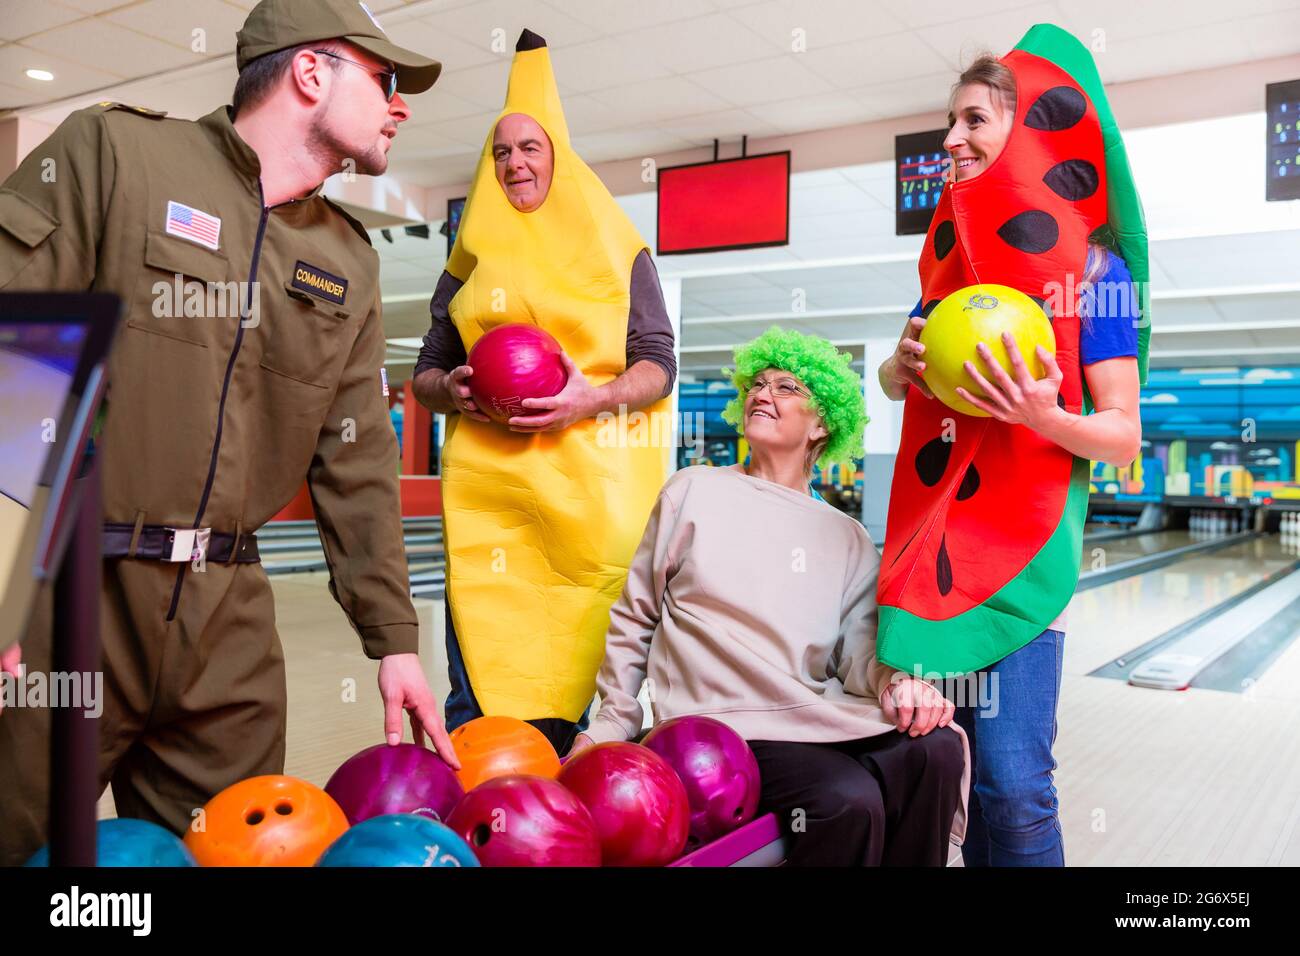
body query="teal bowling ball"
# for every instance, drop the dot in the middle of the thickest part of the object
(398, 839)
(124, 842)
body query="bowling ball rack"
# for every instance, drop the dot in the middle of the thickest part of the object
(759, 842)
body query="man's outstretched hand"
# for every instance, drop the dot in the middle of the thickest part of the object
(404, 688)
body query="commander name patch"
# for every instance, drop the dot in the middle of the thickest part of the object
(320, 283)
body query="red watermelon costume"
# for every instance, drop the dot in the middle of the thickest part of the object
(986, 518)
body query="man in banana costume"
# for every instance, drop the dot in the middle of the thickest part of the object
(541, 518)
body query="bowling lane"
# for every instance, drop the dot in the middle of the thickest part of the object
(1107, 553)
(1107, 621)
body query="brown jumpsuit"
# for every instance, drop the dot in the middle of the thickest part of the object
(265, 372)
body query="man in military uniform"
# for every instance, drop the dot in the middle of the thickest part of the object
(220, 404)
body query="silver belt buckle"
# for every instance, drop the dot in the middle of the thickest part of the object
(189, 544)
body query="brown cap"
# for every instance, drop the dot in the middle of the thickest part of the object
(279, 24)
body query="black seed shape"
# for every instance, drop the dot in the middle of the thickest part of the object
(929, 307)
(1060, 400)
(945, 237)
(1057, 109)
(970, 483)
(932, 461)
(1074, 179)
(943, 568)
(1032, 231)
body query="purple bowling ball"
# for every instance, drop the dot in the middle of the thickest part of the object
(402, 779)
(718, 770)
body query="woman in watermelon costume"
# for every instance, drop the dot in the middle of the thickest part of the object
(985, 527)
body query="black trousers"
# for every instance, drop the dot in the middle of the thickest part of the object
(887, 800)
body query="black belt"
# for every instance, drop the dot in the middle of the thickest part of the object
(156, 543)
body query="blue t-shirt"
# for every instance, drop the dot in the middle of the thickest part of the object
(1108, 316)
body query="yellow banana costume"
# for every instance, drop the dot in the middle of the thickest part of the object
(540, 528)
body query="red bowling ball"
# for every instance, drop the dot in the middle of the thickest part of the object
(403, 779)
(718, 770)
(640, 806)
(511, 363)
(523, 820)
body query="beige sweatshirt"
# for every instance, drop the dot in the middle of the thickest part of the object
(754, 604)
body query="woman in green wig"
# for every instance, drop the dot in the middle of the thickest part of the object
(752, 602)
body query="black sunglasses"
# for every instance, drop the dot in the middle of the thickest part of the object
(387, 78)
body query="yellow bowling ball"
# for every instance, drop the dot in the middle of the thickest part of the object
(980, 313)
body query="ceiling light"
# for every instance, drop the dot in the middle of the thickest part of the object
(43, 75)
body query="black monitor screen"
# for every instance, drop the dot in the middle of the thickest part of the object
(1283, 157)
(455, 207)
(920, 164)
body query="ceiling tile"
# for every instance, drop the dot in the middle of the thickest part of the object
(603, 63)
(823, 23)
(176, 23)
(959, 41)
(913, 14)
(437, 104)
(498, 23)
(12, 97)
(625, 144)
(866, 62)
(415, 33)
(27, 18)
(820, 111)
(726, 125)
(762, 81)
(112, 49)
(705, 42)
(484, 86)
(70, 77)
(100, 6)
(654, 101)
(620, 17)
(923, 94)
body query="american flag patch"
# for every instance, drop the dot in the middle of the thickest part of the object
(189, 223)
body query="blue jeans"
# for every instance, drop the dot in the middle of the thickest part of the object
(462, 706)
(1011, 726)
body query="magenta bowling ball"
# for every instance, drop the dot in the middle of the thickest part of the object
(524, 820)
(511, 363)
(718, 770)
(402, 779)
(639, 805)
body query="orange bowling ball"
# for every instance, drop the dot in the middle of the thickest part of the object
(495, 746)
(266, 821)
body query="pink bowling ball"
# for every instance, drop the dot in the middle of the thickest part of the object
(640, 807)
(511, 363)
(718, 770)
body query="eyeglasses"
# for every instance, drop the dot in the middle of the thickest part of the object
(785, 388)
(387, 78)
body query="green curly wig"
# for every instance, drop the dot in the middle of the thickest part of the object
(836, 388)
